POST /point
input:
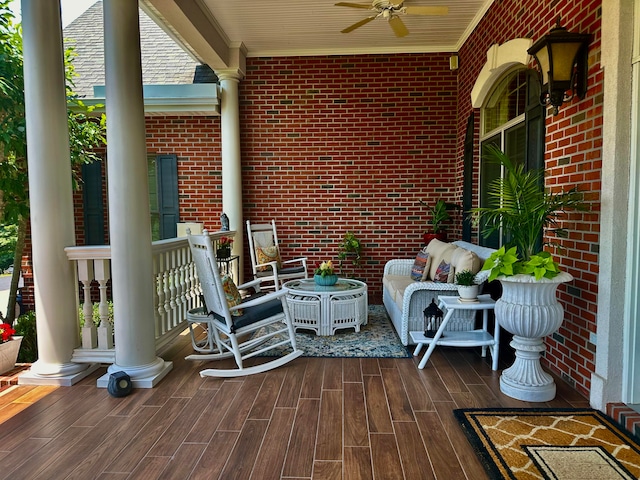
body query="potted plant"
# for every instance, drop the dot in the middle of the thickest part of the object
(223, 249)
(467, 286)
(439, 214)
(350, 248)
(523, 211)
(325, 275)
(9, 347)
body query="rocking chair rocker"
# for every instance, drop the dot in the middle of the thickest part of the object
(228, 319)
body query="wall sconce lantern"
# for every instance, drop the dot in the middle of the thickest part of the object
(562, 59)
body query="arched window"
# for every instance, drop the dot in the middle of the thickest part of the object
(512, 118)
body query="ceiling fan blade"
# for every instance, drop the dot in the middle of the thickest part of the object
(426, 10)
(354, 5)
(358, 25)
(398, 27)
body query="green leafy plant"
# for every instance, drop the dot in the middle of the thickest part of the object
(523, 210)
(350, 247)
(466, 278)
(26, 327)
(439, 214)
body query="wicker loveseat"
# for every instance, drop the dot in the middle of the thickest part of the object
(405, 299)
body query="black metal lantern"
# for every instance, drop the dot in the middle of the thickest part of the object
(432, 319)
(562, 58)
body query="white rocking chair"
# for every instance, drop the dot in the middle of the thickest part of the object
(265, 256)
(227, 325)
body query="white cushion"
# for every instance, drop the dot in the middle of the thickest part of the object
(463, 259)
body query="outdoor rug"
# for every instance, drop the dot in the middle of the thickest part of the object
(376, 339)
(546, 443)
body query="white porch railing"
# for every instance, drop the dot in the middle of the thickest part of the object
(177, 290)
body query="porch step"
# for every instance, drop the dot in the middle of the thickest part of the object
(625, 416)
(11, 377)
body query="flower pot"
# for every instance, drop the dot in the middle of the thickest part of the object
(468, 293)
(530, 311)
(9, 354)
(223, 252)
(427, 237)
(325, 281)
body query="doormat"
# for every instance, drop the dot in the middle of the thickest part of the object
(376, 339)
(551, 443)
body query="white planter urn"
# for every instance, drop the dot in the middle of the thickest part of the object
(9, 354)
(530, 311)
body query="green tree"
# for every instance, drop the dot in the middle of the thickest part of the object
(86, 131)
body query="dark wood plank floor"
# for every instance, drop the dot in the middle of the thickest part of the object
(315, 418)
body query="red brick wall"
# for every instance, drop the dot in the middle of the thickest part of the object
(572, 158)
(332, 144)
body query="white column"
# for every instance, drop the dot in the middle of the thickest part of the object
(50, 197)
(231, 161)
(129, 215)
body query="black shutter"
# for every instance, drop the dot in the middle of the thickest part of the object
(167, 172)
(93, 207)
(467, 189)
(534, 123)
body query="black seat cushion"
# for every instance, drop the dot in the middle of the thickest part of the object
(256, 313)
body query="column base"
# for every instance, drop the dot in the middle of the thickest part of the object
(65, 379)
(145, 376)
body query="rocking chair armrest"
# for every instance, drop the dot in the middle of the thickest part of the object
(260, 300)
(296, 260)
(250, 284)
(273, 265)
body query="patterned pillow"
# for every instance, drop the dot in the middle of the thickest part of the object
(266, 255)
(420, 265)
(444, 273)
(232, 295)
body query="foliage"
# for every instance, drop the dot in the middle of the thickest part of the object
(6, 332)
(466, 278)
(506, 263)
(96, 313)
(325, 269)
(350, 247)
(26, 327)
(439, 214)
(8, 235)
(86, 131)
(523, 210)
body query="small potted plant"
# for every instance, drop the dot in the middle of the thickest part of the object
(224, 245)
(467, 286)
(439, 215)
(350, 248)
(325, 275)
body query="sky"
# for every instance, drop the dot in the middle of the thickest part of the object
(71, 9)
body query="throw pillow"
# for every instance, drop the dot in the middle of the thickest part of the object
(232, 295)
(444, 273)
(439, 251)
(463, 259)
(420, 265)
(266, 255)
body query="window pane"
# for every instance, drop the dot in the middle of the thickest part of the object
(489, 171)
(506, 102)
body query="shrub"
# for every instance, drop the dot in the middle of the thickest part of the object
(26, 327)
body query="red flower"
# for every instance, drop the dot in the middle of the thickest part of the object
(6, 332)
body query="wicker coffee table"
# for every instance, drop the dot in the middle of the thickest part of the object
(327, 309)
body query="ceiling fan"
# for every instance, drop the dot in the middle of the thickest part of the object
(387, 10)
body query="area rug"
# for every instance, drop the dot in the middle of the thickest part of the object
(377, 339)
(545, 443)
